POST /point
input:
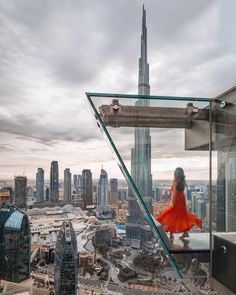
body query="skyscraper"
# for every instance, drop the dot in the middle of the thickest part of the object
(113, 191)
(20, 191)
(102, 197)
(141, 154)
(226, 189)
(67, 185)
(65, 262)
(75, 180)
(15, 245)
(40, 185)
(54, 182)
(87, 187)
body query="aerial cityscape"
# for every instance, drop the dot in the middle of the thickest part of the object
(72, 221)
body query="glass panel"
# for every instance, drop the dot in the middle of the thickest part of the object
(224, 189)
(151, 137)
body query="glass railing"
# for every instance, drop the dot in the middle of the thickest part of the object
(224, 189)
(150, 137)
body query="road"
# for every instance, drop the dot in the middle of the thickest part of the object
(113, 273)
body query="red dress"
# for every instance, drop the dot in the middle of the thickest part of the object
(176, 218)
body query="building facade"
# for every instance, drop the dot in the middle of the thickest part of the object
(87, 187)
(65, 261)
(67, 186)
(54, 182)
(15, 244)
(20, 191)
(137, 225)
(40, 185)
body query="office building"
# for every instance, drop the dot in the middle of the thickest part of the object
(123, 194)
(113, 191)
(67, 186)
(15, 244)
(78, 184)
(137, 225)
(103, 235)
(65, 261)
(40, 185)
(47, 194)
(75, 180)
(6, 195)
(87, 187)
(20, 191)
(226, 190)
(201, 208)
(54, 182)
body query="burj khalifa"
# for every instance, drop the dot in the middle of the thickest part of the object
(137, 226)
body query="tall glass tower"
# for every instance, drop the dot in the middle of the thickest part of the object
(54, 182)
(20, 191)
(65, 262)
(141, 154)
(102, 198)
(67, 186)
(40, 185)
(15, 245)
(87, 187)
(226, 188)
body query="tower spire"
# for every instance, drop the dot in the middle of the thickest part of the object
(143, 86)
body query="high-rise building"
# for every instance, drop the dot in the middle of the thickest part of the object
(75, 180)
(15, 245)
(47, 193)
(226, 190)
(157, 194)
(65, 261)
(67, 186)
(113, 191)
(6, 195)
(123, 194)
(54, 182)
(102, 197)
(141, 155)
(20, 191)
(87, 187)
(78, 184)
(195, 196)
(40, 185)
(201, 208)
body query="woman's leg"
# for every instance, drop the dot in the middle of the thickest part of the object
(185, 235)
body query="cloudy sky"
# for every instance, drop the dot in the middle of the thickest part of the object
(52, 52)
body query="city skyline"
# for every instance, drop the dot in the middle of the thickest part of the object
(44, 80)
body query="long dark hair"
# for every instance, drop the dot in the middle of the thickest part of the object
(180, 179)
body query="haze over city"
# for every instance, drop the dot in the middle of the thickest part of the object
(52, 54)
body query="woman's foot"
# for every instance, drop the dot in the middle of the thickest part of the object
(171, 236)
(184, 235)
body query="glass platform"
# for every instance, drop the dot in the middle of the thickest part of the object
(151, 136)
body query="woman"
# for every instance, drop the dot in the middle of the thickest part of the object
(176, 218)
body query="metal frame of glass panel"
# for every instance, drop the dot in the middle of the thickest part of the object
(126, 173)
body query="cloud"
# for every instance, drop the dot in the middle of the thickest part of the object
(51, 54)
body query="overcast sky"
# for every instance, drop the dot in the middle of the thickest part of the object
(52, 52)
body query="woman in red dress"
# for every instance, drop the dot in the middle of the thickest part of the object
(176, 218)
